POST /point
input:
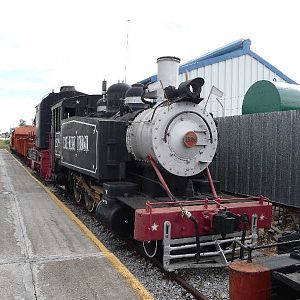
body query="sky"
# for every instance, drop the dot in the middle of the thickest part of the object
(49, 43)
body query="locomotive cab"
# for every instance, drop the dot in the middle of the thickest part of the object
(81, 105)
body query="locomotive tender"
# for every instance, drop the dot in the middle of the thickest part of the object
(139, 156)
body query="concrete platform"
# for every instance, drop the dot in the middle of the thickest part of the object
(43, 253)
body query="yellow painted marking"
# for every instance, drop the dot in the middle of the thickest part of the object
(117, 264)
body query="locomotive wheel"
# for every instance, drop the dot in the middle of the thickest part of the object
(77, 193)
(90, 204)
(150, 248)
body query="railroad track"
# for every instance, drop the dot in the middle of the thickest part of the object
(188, 287)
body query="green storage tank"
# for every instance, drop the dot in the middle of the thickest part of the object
(267, 96)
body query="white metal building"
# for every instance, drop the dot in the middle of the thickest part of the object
(232, 69)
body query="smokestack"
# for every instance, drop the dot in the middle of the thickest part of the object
(167, 72)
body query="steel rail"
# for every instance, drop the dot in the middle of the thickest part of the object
(188, 287)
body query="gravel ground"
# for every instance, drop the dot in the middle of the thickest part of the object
(211, 282)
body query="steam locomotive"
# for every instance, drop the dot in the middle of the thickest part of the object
(139, 157)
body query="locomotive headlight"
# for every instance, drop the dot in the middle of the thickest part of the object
(181, 137)
(190, 139)
(191, 88)
(188, 89)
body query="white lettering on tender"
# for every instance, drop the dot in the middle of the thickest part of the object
(82, 143)
(76, 143)
(69, 143)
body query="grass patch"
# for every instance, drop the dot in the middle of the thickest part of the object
(4, 144)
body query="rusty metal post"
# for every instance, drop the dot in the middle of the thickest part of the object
(249, 281)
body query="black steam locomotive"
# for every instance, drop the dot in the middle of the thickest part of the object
(139, 155)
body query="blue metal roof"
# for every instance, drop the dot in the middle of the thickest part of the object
(235, 49)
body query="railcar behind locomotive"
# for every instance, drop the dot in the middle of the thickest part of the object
(22, 138)
(138, 156)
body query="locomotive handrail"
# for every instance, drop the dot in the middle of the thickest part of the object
(204, 201)
(250, 248)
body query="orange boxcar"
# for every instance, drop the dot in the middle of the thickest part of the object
(22, 139)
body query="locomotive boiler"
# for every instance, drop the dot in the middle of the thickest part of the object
(139, 156)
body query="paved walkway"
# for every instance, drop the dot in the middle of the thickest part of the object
(43, 254)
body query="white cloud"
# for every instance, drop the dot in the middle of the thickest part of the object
(82, 42)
